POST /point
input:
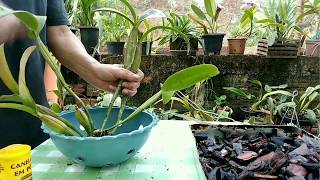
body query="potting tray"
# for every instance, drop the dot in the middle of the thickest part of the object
(169, 153)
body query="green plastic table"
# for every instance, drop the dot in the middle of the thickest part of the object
(169, 154)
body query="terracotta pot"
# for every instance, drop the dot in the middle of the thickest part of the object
(237, 45)
(313, 48)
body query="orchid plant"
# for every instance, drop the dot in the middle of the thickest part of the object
(207, 21)
(22, 100)
(247, 21)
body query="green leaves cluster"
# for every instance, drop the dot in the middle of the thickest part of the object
(280, 20)
(183, 25)
(207, 21)
(274, 100)
(21, 98)
(132, 55)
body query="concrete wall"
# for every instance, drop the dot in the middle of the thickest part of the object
(234, 71)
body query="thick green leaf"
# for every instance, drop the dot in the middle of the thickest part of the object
(55, 108)
(167, 28)
(19, 107)
(131, 49)
(198, 12)
(311, 116)
(23, 89)
(308, 92)
(167, 95)
(10, 98)
(189, 77)
(283, 105)
(5, 75)
(84, 121)
(239, 92)
(266, 21)
(256, 82)
(272, 38)
(200, 23)
(278, 92)
(131, 9)
(151, 13)
(137, 59)
(311, 98)
(47, 111)
(267, 88)
(57, 126)
(211, 7)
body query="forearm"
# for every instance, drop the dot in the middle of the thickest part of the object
(12, 28)
(69, 50)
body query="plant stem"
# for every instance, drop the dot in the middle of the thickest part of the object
(49, 58)
(123, 104)
(114, 97)
(145, 105)
(18, 107)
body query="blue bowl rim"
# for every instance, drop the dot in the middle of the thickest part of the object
(155, 120)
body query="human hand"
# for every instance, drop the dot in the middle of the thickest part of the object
(107, 77)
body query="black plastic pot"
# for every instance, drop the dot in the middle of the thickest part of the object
(144, 48)
(179, 46)
(74, 30)
(89, 38)
(213, 43)
(246, 113)
(115, 48)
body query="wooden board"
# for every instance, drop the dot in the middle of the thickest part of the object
(277, 50)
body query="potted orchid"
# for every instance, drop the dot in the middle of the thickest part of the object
(312, 8)
(212, 40)
(237, 42)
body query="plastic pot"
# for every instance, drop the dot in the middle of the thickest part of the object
(115, 48)
(74, 30)
(313, 48)
(213, 43)
(89, 38)
(107, 150)
(237, 45)
(144, 48)
(179, 46)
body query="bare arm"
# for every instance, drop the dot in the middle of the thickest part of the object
(11, 28)
(71, 53)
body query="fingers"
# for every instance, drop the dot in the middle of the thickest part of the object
(131, 85)
(129, 76)
(129, 89)
(129, 92)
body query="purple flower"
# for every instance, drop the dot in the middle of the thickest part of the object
(248, 5)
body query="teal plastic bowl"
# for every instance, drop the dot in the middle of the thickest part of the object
(107, 150)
